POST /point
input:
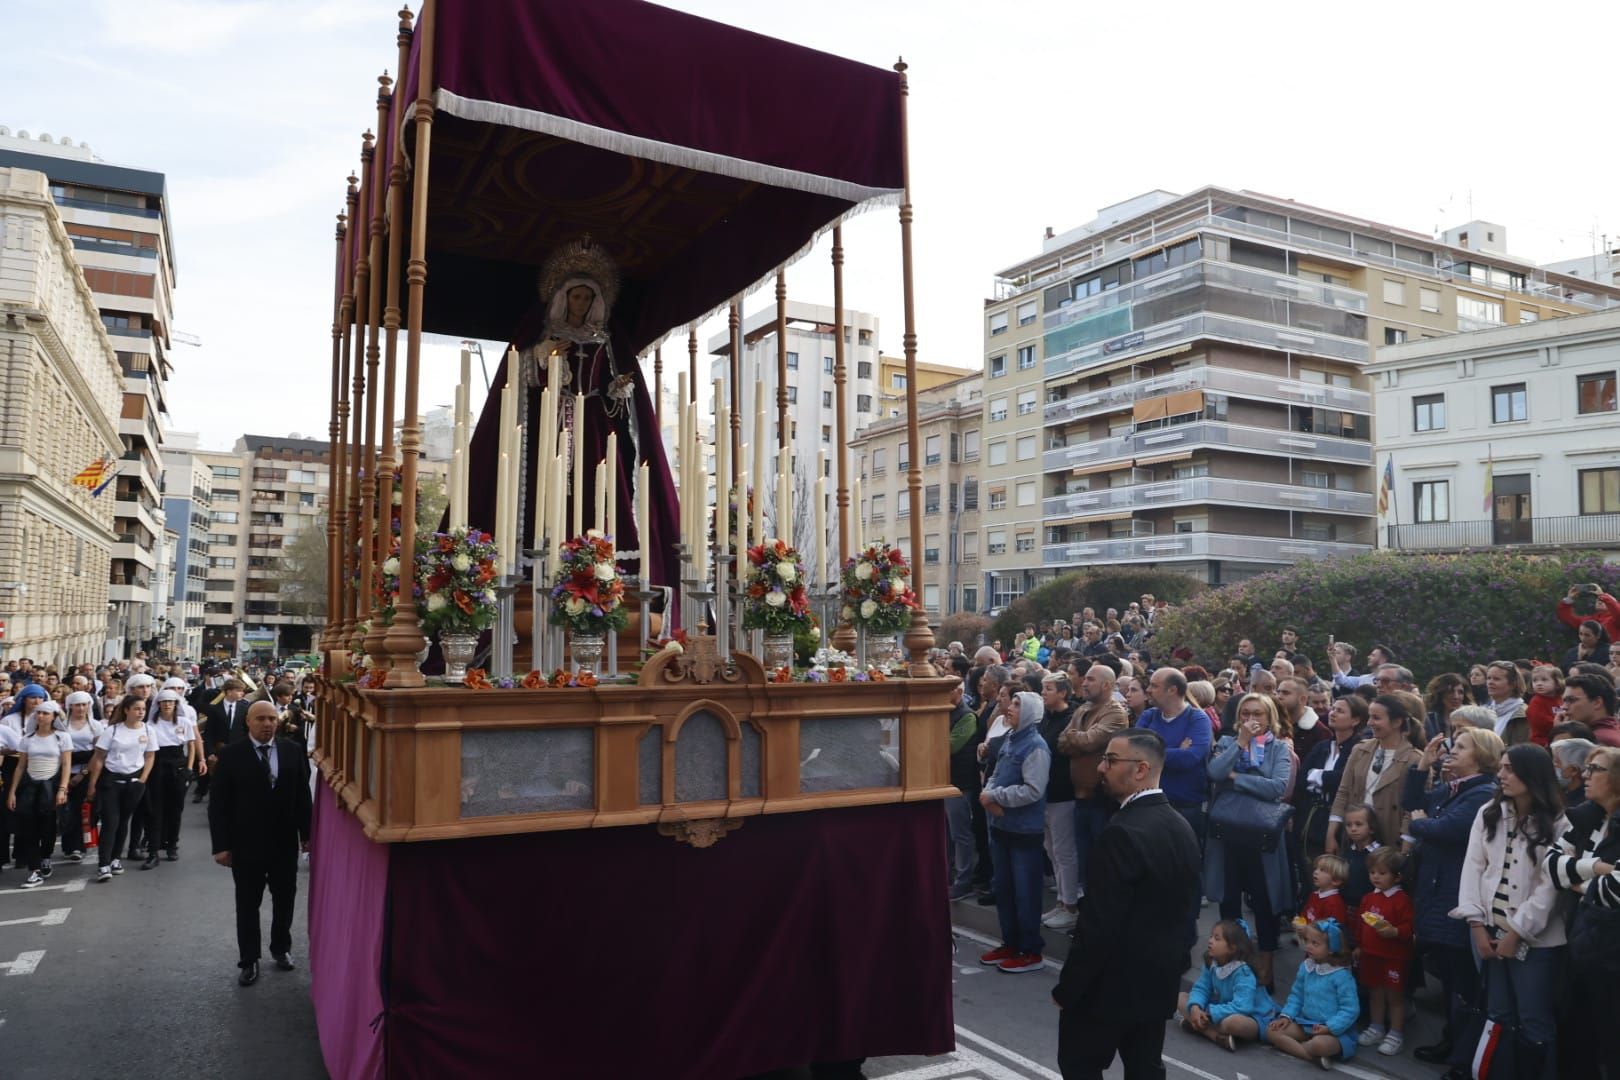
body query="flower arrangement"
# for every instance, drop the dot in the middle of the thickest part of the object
(588, 594)
(455, 574)
(775, 600)
(877, 592)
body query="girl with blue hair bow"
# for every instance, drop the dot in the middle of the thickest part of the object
(1227, 1004)
(1322, 1007)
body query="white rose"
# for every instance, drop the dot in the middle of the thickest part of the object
(460, 563)
(436, 602)
(863, 571)
(604, 571)
(898, 582)
(868, 608)
(574, 605)
(846, 613)
(775, 598)
(391, 565)
(787, 572)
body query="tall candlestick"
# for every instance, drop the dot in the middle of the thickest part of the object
(743, 538)
(502, 493)
(559, 503)
(577, 449)
(700, 545)
(784, 515)
(820, 571)
(761, 437)
(542, 475)
(514, 529)
(599, 509)
(644, 517)
(722, 478)
(858, 510)
(611, 484)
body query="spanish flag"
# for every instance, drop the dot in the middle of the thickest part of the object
(92, 474)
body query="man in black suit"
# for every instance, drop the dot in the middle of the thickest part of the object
(259, 816)
(227, 718)
(1131, 943)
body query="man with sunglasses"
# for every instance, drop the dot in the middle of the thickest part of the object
(1132, 937)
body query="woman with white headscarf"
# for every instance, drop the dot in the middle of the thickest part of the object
(82, 731)
(175, 740)
(1015, 798)
(37, 788)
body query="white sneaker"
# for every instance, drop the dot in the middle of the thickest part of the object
(1046, 917)
(1371, 1035)
(104, 873)
(1391, 1044)
(34, 881)
(1061, 919)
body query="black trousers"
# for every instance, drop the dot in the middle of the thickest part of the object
(70, 818)
(8, 820)
(981, 844)
(118, 798)
(165, 798)
(1087, 1045)
(280, 872)
(36, 819)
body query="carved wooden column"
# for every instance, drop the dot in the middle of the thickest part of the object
(338, 481)
(335, 435)
(734, 325)
(843, 637)
(784, 432)
(363, 496)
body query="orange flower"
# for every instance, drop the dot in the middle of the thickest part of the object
(534, 680)
(837, 674)
(878, 676)
(477, 679)
(463, 601)
(586, 679)
(559, 677)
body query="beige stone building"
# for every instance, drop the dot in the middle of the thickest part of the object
(949, 419)
(59, 408)
(1181, 381)
(891, 385)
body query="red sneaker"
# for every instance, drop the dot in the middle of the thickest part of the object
(995, 956)
(1019, 963)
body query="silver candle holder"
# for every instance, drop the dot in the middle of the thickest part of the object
(722, 608)
(500, 643)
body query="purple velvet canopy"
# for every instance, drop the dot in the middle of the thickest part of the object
(699, 155)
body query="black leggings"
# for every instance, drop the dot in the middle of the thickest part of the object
(36, 819)
(118, 796)
(70, 818)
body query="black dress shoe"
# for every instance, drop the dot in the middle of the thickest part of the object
(284, 961)
(249, 975)
(151, 861)
(1438, 1054)
(172, 855)
(985, 899)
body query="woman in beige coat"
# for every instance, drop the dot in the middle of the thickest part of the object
(1376, 771)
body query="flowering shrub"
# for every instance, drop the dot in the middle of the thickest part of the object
(1099, 589)
(455, 575)
(587, 595)
(877, 592)
(776, 600)
(1438, 612)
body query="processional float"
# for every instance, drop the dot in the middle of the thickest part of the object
(694, 863)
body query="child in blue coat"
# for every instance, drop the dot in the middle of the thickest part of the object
(1322, 1007)
(1227, 1004)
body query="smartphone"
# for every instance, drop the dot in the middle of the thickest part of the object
(1330, 641)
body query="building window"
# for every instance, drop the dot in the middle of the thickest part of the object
(225, 472)
(793, 395)
(970, 593)
(1595, 393)
(998, 366)
(221, 562)
(970, 493)
(863, 370)
(1394, 292)
(1429, 299)
(226, 495)
(1600, 491)
(863, 402)
(221, 538)
(998, 453)
(1393, 336)
(827, 364)
(970, 445)
(998, 409)
(931, 548)
(897, 380)
(879, 457)
(1026, 357)
(1473, 310)
(1026, 493)
(1026, 313)
(826, 399)
(995, 542)
(998, 498)
(793, 361)
(1026, 447)
(998, 323)
(1027, 402)
(903, 502)
(931, 450)
(1315, 479)
(1025, 542)
(222, 517)
(1432, 499)
(1528, 314)
(826, 433)
(879, 504)
(1508, 404)
(1429, 412)
(904, 456)
(931, 499)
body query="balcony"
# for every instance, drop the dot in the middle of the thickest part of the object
(1179, 547)
(1209, 489)
(1208, 434)
(1243, 384)
(1206, 325)
(1583, 531)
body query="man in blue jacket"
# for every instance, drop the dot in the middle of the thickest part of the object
(1188, 736)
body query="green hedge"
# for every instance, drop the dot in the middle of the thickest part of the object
(1097, 589)
(1438, 612)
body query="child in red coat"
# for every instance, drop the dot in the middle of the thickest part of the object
(1384, 954)
(1328, 875)
(1548, 684)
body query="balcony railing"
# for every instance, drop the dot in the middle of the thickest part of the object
(1209, 489)
(1213, 434)
(1582, 530)
(1175, 547)
(1244, 384)
(1206, 325)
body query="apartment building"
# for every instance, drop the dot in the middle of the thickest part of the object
(59, 407)
(118, 222)
(892, 381)
(1181, 382)
(187, 500)
(949, 418)
(1503, 438)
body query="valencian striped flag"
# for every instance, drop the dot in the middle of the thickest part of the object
(96, 475)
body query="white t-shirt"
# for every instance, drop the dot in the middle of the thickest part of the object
(85, 739)
(177, 732)
(126, 747)
(45, 753)
(10, 737)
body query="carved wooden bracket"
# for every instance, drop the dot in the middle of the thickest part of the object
(705, 832)
(699, 663)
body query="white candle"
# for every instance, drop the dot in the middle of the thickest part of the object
(644, 518)
(514, 529)
(759, 474)
(701, 538)
(611, 485)
(820, 571)
(742, 524)
(784, 514)
(577, 448)
(722, 480)
(502, 493)
(599, 508)
(559, 503)
(856, 511)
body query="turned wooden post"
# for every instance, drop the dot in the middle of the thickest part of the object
(843, 637)
(334, 434)
(338, 480)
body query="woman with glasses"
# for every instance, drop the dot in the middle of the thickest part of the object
(1376, 771)
(1507, 897)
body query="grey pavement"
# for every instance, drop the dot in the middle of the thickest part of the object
(136, 978)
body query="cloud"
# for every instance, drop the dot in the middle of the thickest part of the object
(178, 26)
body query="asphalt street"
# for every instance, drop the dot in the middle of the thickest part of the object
(136, 978)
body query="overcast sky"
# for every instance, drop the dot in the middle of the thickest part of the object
(1024, 115)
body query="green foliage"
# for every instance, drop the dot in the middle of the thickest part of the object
(1438, 612)
(1100, 589)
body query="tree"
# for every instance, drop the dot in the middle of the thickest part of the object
(301, 573)
(432, 498)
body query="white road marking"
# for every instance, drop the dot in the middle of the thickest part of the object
(1035, 1068)
(76, 885)
(1362, 1074)
(53, 917)
(24, 964)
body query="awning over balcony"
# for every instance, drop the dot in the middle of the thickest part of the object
(1102, 467)
(1162, 458)
(1086, 519)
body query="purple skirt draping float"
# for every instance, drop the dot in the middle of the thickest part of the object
(348, 897)
(817, 936)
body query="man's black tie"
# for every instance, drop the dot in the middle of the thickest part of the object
(264, 760)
